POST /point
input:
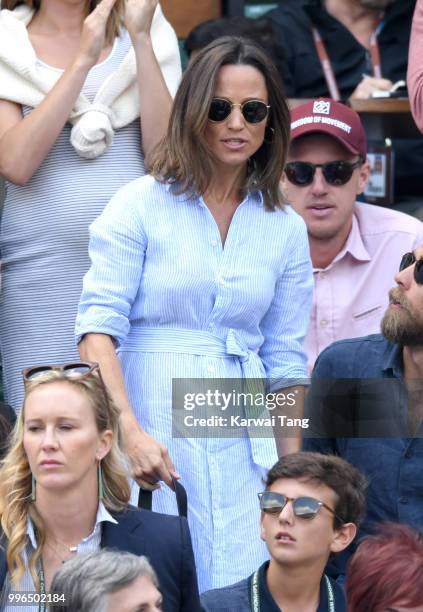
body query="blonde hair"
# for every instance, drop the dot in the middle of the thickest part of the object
(114, 22)
(16, 477)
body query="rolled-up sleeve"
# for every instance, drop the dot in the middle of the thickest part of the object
(117, 250)
(286, 322)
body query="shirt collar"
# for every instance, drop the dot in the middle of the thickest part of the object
(268, 604)
(103, 516)
(255, 196)
(392, 360)
(354, 246)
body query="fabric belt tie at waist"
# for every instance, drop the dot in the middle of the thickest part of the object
(203, 343)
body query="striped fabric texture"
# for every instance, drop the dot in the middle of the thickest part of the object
(159, 280)
(44, 240)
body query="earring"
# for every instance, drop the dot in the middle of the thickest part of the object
(33, 492)
(269, 134)
(100, 481)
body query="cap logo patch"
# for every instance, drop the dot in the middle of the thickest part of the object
(322, 107)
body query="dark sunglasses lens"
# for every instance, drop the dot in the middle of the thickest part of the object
(418, 272)
(306, 507)
(337, 173)
(299, 173)
(407, 260)
(219, 109)
(254, 111)
(272, 503)
(37, 372)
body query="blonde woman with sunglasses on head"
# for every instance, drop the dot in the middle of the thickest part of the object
(200, 272)
(64, 491)
(85, 95)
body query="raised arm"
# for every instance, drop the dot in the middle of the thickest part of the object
(154, 95)
(26, 141)
(415, 66)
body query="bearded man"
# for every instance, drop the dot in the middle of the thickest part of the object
(368, 392)
(348, 49)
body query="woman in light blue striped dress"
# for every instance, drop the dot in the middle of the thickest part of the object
(199, 272)
(54, 190)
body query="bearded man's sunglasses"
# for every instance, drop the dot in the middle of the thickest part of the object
(253, 111)
(303, 507)
(336, 173)
(408, 260)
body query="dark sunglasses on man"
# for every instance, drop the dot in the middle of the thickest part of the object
(303, 507)
(253, 111)
(336, 173)
(408, 260)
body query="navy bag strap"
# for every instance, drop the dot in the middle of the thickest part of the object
(145, 498)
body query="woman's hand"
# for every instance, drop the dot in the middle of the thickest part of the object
(93, 34)
(139, 16)
(149, 459)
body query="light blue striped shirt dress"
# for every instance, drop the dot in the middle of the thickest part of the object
(182, 306)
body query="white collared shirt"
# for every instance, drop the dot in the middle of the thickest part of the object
(26, 585)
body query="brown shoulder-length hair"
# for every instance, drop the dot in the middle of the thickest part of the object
(183, 155)
(113, 24)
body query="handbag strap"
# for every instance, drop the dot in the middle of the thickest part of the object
(145, 498)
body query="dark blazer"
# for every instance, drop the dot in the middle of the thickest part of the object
(165, 541)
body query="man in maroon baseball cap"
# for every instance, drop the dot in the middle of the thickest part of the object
(355, 247)
(333, 118)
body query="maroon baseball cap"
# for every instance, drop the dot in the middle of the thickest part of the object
(333, 118)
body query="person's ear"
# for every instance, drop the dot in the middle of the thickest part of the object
(105, 444)
(343, 536)
(364, 175)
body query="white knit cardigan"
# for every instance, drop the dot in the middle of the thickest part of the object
(116, 103)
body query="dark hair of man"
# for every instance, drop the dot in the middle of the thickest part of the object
(386, 571)
(343, 478)
(259, 30)
(184, 157)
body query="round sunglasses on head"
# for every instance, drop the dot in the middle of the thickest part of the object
(303, 507)
(253, 111)
(408, 260)
(336, 173)
(68, 370)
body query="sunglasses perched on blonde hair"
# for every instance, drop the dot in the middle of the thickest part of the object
(77, 369)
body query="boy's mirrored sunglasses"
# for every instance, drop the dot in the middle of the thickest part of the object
(303, 507)
(336, 173)
(253, 111)
(77, 369)
(407, 260)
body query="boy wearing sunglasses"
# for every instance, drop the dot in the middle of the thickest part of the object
(310, 509)
(354, 246)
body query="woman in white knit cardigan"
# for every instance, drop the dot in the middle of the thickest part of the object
(85, 94)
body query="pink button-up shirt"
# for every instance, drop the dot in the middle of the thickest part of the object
(351, 294)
